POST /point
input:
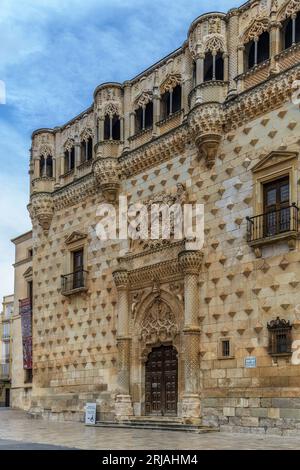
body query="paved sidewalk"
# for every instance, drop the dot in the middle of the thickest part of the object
(17, 445)
(16, 426)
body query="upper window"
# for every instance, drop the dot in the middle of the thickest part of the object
(86, 150)
(112, 128)
(213, 66)
(69, 159)
(291, 31)
(144, 117)
(171, 101)
(258, 50)
(46, 166)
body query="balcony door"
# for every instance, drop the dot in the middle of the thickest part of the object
(78, 269)
(276, 207)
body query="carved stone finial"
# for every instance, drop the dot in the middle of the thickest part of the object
(190, 261)
(42, 208)
(106, 173)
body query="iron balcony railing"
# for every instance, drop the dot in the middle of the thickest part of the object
(273, 223)
(73, 281)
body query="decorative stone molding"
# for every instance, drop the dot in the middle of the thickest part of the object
(167, 270)
(106, 173)
(166, 199)
(75, 237)
(112, 108)
(69, 144)
(260, 100)
(143, 99)
(159, 324)
(190, 261)
(45, 150)
(290, 8)
(170, 82)
(121, 278)
(153, 153)
(75, 192)
(208, 147)
(206, 123)
(86, 134)
(42, 208)
(214, 25)
(214, 44)
(258, 26)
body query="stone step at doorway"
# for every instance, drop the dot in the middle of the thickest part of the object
(156, 423)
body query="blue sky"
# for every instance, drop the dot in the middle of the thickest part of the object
(53, 55)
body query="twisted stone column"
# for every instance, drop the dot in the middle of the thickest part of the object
(123, 405)
(190, 263)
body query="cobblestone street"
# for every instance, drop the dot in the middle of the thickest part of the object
(17, 431)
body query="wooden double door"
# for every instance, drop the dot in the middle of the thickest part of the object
(161, 388)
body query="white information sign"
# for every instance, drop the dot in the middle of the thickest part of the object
(250, 362)
(90, 413)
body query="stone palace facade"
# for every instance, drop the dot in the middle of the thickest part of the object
(148, 328)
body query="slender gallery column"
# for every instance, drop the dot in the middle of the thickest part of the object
(226, 65)
(127, 110)
(235, 58)
(200, 68)
(190, 263)
(77, 156)
(274, 44)
(101, 129)
(123, 405)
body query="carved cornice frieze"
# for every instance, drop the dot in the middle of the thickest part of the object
(259, 100)
(155, 152)
(75, 192)
(166, 271)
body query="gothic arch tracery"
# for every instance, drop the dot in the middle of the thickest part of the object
(214, 43)
(143, 99)
(257, 27)
(290, 8)
(170, 83)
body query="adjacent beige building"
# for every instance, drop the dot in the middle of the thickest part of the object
(6, 349)
(21, 378)
(156, 328)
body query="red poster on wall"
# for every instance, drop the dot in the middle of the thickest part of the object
(26, 325)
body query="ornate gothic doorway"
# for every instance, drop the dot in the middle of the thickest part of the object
(161, 393)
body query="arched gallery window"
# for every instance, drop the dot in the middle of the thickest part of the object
(257, 50)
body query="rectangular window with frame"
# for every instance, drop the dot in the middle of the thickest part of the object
(277, 212)
(78, 265)
(225, 348)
